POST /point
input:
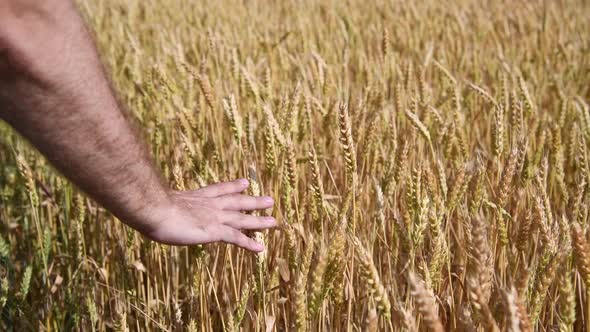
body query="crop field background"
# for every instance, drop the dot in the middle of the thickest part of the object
(429, 163)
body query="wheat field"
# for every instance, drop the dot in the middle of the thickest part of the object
(429, 163)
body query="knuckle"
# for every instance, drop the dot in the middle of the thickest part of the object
(242, 200)
(199, 192)
(218, 217)
(232, 233)
(216, 204)
(239, 239)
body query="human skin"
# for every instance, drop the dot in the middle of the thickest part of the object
(54, 92)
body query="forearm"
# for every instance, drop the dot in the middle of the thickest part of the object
(54, 91)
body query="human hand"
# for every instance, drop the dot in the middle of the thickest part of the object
(209, 214)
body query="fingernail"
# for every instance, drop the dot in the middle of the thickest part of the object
(244, 182)
(269, 200)
(259, 247)
(270, 220)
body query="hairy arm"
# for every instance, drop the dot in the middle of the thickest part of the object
(54, 91)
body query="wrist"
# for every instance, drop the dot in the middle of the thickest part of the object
(149, 217)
